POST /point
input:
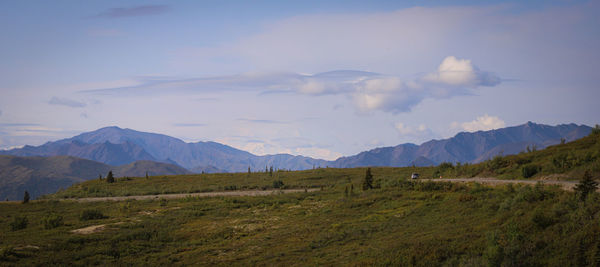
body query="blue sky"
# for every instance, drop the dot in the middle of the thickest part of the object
(315, 78)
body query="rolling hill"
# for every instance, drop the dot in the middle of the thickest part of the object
(45, 175)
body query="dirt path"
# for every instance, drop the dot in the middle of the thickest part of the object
(566, 185)
(205, 194)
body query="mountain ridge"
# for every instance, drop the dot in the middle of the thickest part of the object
(44, 175)
(117, 146)
(471, 147)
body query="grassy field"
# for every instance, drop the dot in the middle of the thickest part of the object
(195, 183)
(404, 223)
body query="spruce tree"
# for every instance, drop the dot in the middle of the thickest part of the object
(26, 197)
(586, 185)
(110, 178)
(368, 182)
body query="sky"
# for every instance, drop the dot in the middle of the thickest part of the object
(316, 78)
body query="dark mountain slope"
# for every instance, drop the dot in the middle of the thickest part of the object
(45, 175)
(468, 147)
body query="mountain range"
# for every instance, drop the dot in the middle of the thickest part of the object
(116, 146)
(469, 147)
(131, 153)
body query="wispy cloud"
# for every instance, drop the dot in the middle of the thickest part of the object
(18, 124)
(206, 99)
(66, 102)
(262, 121)
(369, 91)
(190, 124)
(136, 11)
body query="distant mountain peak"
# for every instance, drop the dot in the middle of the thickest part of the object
(468, 146)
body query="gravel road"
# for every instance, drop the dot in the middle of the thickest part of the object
(566, 185)
(205, 194)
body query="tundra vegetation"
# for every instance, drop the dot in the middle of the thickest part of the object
(396, 222)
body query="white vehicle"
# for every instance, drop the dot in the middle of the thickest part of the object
(414, 176)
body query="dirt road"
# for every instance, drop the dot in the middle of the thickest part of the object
(566, 185)
(205, 194)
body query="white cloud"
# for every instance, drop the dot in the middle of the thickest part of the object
(411, 131)
(256, 148)
(318, 153)
(482, 123)
(461, 73)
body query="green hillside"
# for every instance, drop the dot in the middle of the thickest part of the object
(560, 162)
(405, 223)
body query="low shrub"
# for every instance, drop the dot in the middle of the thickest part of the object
(529, 170)
(91, 214)
(19, 223)
(52, 220)
(466, 198)
(541, 220)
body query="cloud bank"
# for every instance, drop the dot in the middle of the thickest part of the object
(368, 91)
(66, 102)
(371, 91)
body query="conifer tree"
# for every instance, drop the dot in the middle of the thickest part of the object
(110, 178)
(26, 197)
(586, 185)
(368, 182)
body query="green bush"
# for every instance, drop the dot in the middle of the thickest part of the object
(6, 252)
(91, 214)
(230, 188)
(277, 184)
(19, 223)
(529, 170)
(52, 220)
(541, 220)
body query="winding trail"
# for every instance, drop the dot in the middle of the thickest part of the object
(565, 185)
(183, 195)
